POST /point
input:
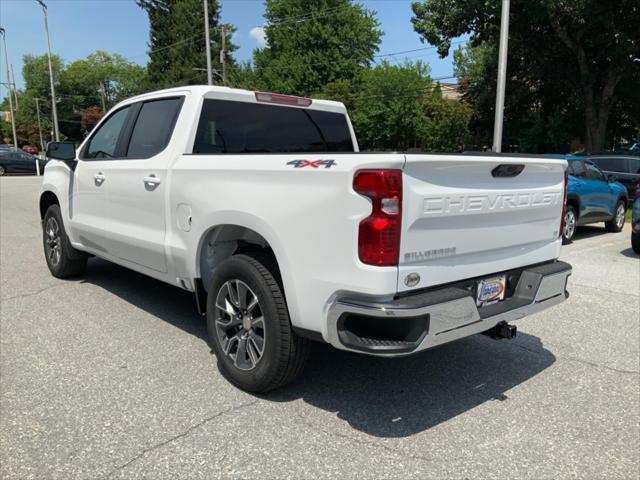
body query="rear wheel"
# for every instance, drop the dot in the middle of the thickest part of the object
(617, 222)
(249, 327)
(63, 260)
(2, 170)
(635, 242)
(570, 224)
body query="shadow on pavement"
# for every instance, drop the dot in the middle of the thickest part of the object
(168, 303)
(628, 252)
(401, 397)
(589, 231)
(381, 397)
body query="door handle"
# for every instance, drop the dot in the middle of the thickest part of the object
(99, 178)
(151, 180)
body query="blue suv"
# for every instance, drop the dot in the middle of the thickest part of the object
(592, 197)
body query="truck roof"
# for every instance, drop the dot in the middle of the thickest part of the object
(237, 94)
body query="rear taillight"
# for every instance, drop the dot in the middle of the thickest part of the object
(379, 233)
(564, 202)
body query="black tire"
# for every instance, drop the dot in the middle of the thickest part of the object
(569, 231)
(635, 242)
(2, 170)
(284, 353)
(63, 260)
(615, 225)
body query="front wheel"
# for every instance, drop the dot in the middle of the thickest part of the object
(63, 260)
(2, 170)
(570, 224)
(617, 222)
(249, 327)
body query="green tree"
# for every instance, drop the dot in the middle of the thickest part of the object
(35, 72)
(314, 42)
(102, 79)
(177, 42)
(570, 54)
(93, 84)
(385, 111)
(540, 116)
(446, 126)
(398, 107)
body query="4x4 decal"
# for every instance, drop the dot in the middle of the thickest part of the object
(312, 163)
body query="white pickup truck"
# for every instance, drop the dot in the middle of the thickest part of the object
(262, 205)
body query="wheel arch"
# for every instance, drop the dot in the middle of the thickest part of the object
(222, 241)
(47, 198)
(574, 201)
(624, 198)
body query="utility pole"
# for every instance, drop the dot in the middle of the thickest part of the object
(223, 34)
(208, 42)
(8, 84)
(15, 92)
(103, 93)
(54, 110)
(502, 76)
(39, 126)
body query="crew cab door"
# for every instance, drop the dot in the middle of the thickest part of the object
(136, 198)
(87, 208)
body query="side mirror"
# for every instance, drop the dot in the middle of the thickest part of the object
(65, 151)
(612, 178)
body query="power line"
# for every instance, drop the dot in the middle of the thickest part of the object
(293, 19)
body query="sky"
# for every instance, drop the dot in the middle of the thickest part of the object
(80, 27)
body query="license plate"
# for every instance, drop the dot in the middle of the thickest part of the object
(491, 290)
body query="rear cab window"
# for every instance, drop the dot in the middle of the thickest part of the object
(241, 127)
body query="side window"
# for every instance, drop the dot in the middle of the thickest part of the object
(154, 127)
(634, 166)
(104, 142)
(613, 164)
(578, 169)
(593, 172)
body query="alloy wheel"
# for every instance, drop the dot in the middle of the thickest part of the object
(569, 224)
(52, 241)
(620, 216)
(239, 324)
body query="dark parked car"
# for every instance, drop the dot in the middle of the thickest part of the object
(18, 162)
(625, 167)
(30, 149)
(635, 222)
(592, 196)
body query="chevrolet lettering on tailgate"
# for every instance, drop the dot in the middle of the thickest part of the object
(445, 205)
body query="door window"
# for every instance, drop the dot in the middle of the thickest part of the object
(577, 169)
(104, 142)
(634, 166)
(593, 172)
(153, 127)
(613, 164)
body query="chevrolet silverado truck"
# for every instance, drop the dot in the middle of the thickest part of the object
(262, 205)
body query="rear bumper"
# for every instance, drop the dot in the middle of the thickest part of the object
(417, 322)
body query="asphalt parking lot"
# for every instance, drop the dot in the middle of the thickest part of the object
(109, 376)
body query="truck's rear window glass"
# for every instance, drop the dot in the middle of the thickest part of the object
(240, 127)
(153, 127)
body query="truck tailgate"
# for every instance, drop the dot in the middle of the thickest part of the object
(466, 216)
